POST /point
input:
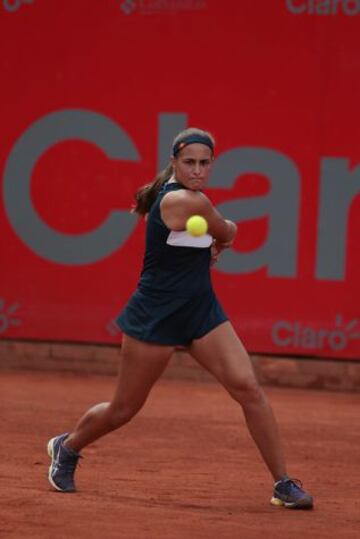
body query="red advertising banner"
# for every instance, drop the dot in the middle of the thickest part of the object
(93, 93)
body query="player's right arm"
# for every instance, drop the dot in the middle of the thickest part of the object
(177, 206)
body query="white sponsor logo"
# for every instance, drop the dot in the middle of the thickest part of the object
(128, 6)
(148, 7)
(339, 185)
(14, 5)
(112, 328)
(324, 7)
(297, 335)
(6, 316)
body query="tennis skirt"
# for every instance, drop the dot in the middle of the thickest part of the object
(170, 320)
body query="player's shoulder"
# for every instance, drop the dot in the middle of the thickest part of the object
(185, 197)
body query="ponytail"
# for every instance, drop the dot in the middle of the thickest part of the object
(146, 195)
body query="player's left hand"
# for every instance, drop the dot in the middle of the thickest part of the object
(215, 253)
(216, 250)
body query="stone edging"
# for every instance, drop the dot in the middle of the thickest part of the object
(98, 359)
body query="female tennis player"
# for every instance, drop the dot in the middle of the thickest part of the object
(174, 304)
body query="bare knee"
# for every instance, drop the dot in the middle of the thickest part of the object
(246, 392)
(120, 415)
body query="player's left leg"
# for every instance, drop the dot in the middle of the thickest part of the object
(222, 353)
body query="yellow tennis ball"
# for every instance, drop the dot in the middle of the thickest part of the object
(196, 225)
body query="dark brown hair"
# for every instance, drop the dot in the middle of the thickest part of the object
(146, 195)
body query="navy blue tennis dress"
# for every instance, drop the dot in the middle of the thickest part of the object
(174, 302)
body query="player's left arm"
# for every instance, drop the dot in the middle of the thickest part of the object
(177, 206)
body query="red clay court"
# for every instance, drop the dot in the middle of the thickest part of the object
(184, 468)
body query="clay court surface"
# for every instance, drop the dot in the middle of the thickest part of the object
(184, 468)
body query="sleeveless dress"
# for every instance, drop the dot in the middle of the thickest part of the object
(174, 302)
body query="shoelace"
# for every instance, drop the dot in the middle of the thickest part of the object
(69, 463)
(293, 484)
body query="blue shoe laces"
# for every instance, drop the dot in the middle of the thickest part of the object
(291, 486)
(68, 460)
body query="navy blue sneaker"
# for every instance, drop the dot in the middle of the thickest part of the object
(63, 464)
(289, 493)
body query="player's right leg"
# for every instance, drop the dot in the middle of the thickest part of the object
(141, 366)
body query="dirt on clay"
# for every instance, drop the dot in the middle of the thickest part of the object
(185, 467)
